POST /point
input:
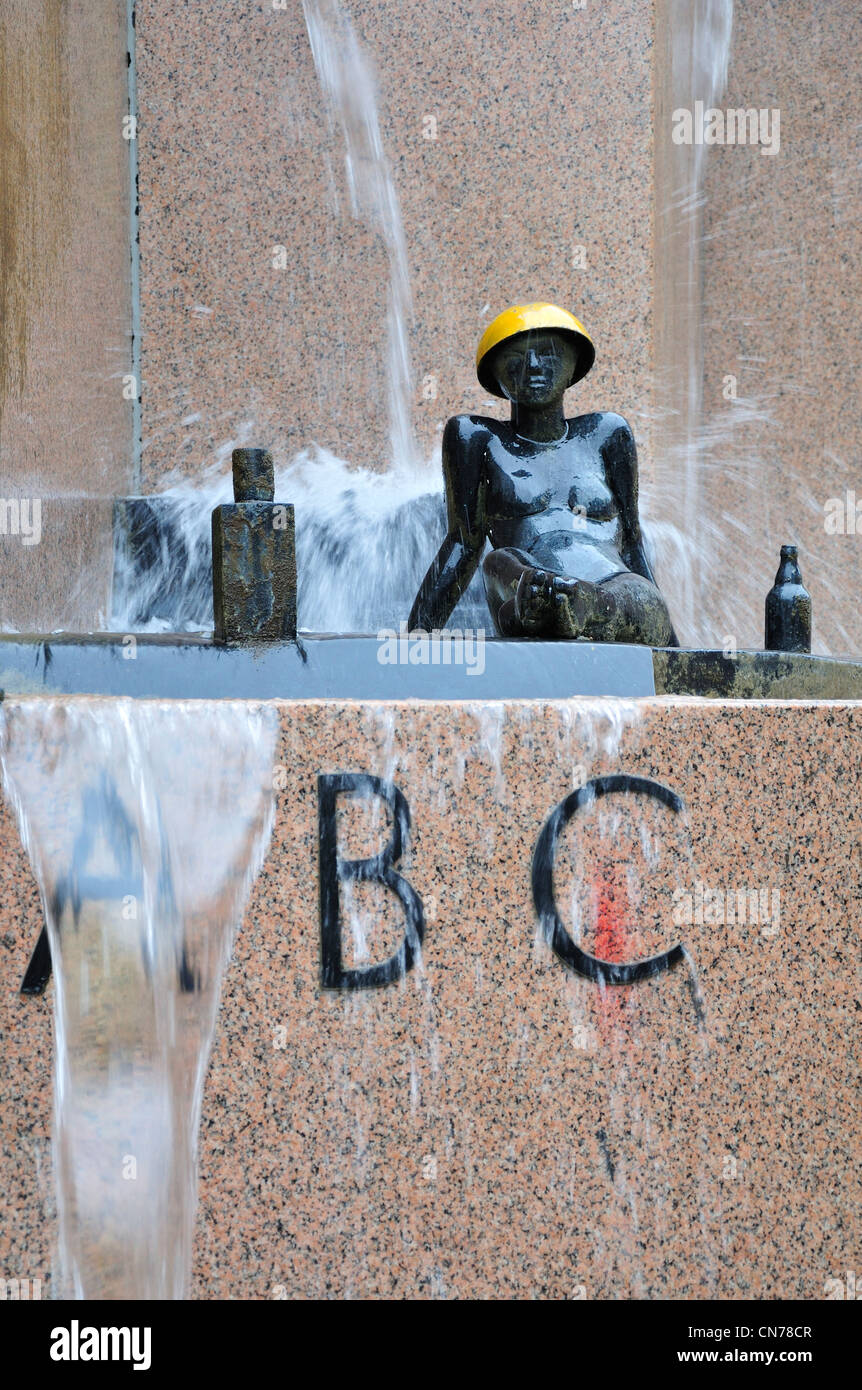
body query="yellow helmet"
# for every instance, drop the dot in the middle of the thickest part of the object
(520, 319)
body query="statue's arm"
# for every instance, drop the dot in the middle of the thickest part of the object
(455, 563)
(621, 468)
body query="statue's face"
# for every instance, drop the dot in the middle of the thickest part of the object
(535, 368)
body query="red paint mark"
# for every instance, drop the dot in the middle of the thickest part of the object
(615, 940)
(611, 911)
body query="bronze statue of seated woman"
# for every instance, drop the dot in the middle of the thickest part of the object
(556, 498)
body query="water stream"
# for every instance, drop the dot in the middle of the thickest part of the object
(349, 90)
(145, 846)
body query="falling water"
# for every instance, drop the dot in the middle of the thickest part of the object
(699, 54)
(145, 844)
(349, 91)
(703, 53)
(364, 539)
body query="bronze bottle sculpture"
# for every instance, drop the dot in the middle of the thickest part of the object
(788, 607)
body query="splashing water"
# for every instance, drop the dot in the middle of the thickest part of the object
(363, 543)
(144, 844)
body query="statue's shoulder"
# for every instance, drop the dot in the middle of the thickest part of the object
(602, 425)
(470, 428)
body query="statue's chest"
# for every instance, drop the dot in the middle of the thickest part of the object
(524, 480)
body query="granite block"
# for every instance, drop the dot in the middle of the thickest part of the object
(493, 1125)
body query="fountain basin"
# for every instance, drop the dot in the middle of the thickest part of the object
(319, 666)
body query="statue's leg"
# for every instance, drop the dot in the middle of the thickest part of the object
(526, 601)
(624, 608)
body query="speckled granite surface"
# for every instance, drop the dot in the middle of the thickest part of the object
(784, 261)
(65, 305)
(542, 144)
(493, 1126)
(777, 422)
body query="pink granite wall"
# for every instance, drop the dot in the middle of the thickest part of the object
(756, 341)
(520, 144)
(494, 1125)
(65, 306)
(782, 275)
